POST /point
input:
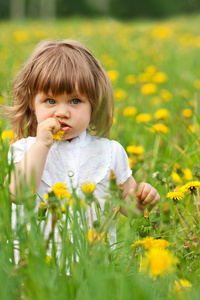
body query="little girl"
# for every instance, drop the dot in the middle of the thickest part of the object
(63, 87)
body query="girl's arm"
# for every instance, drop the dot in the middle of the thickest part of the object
(32, 165)
(146, 195)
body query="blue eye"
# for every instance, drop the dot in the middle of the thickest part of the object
(75, 101)
(50, 101)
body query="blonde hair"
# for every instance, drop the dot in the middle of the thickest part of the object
(61, 67)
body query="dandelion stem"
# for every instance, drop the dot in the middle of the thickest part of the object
(107, 227)
(181, 222)
(196, 204)
(132, 257)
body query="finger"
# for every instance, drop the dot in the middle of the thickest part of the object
(152, 202)
(142, 191)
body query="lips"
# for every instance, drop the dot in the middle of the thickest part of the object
(65, 127)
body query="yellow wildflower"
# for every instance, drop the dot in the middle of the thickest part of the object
(149, 89)
(182, 285)
(137, 150)
(129, 111)
(20, 36)
(58, 135)
(161, 32)
(63, 210)
(120, 94)
(130, 79)
(143, 118)
(161, 114)
(192, 103)
(190, 186)
(159, 77)
(159, 127)
(176, 177)
(132, 162)
(113, 75)
(158, 262)
(88, 188)
(197, 84)
(60, 190)
(8, 134)
(187, 113)
(149, 242)
(176, 195)
(187, 174)
(136, 244)
(1, 99)
(151, 69)
(93, 235)
(166, 95)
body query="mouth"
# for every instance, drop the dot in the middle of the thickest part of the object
(65, 127)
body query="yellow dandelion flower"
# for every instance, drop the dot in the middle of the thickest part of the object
(161, 243)
(1, 99)
(60, 190)
(129, 111)
(136, 244)
(130, 79)
(93, 235)
(187, 113)
(176, 195)
(187, 174)
(149, 89)
(166, 95)
(63, 210)
(192, 103)
(132, 162)
(88, 188)
(158, 262)
(143, 118)
(159, 127)
(151, 69)
(48, 259)
(176, 177)
(162, 32)
(113, 75)
(197, 84)
(161, 114)
(112, 175)
(160, 77)
(190, 186)
(136, 150)
(8, 134)
(58, 135)
(182, 285)
(147, 242)
(20, 36)
(120, 94)
(42, 206)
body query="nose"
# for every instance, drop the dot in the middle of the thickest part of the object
(62, 111)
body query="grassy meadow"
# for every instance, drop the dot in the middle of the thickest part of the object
(154, 67)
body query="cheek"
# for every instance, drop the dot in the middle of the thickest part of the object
(41, 115)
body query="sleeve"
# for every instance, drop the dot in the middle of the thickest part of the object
(120, 163)
(18, 149)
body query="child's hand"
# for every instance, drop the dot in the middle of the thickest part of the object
(46, 129)
(147, 196)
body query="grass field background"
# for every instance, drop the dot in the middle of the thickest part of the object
(154, 67)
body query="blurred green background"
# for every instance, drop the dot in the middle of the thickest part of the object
(124, 9)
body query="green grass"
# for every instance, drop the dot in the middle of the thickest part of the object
(170, 47)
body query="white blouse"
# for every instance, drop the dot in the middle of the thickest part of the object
(86, 159)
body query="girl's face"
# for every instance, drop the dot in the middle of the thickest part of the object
(72, 111)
